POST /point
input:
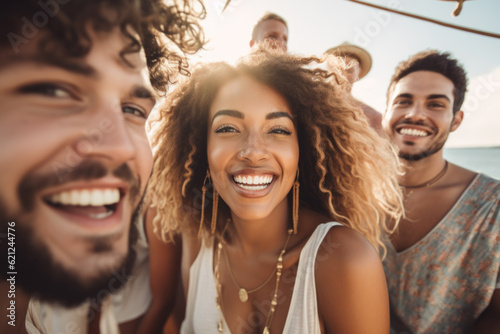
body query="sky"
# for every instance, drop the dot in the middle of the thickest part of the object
(316, 25)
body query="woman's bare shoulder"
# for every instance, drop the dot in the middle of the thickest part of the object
(345, 249)
(350, 284)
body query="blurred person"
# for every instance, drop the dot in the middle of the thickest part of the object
(358, 63)
(270, 29)
(78, 80)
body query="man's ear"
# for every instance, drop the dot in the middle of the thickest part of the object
(457, 120)
(252, 42)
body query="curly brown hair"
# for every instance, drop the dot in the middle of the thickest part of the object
(347, 171)
(164, 31)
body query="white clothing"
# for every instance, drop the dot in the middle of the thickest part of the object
(127, 304)
(201, 308)
(45, 318)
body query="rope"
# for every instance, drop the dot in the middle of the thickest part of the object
(479, 32)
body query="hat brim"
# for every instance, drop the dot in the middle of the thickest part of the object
(364, 57)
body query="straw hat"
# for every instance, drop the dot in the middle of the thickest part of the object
(346, 49)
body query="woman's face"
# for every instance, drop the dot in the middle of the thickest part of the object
(253, 150)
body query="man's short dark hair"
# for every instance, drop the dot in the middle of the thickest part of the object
(267, 16)
(434, 61)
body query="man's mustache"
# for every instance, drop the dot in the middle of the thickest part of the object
(87, 170)
(409, 122)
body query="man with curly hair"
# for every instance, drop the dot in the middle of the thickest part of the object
(443, 261)
(78, 80)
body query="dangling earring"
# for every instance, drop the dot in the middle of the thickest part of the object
(215, 206)
(295, 208)
(203, 191)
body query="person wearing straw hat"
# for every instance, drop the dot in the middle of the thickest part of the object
(358, 63)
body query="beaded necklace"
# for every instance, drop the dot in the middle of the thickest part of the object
(274, 301)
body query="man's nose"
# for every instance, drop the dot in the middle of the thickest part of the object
(107, 136)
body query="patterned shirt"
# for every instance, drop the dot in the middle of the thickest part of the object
(444, 282)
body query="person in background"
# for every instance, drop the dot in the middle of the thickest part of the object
(269, 173)
(78, 80)
(443, 260)
(358, 63)
(270, 29)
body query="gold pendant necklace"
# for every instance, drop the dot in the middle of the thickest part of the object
(243, 293)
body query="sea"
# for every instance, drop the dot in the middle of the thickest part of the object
(480, 159)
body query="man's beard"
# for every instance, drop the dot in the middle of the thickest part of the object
(38, 273)
(411, 157)
(434, 147)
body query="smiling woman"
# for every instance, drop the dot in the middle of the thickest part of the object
(279, 170)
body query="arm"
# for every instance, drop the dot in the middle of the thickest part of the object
(164, 271)
(350, 283)
(489, 320)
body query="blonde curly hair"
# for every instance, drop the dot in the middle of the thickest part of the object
(347, 171)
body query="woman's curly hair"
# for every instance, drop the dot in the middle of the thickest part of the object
(164, 31)
(347, 171)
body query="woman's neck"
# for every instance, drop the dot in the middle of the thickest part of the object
(261, 236)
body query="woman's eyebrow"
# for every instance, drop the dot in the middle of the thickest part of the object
(229, 112)
(278, 114)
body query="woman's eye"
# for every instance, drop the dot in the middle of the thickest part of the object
(47, 89)
(134, 111)
(280, 131)
(225, 129)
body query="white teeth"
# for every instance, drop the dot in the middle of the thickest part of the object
(96, 197)
(253, 187)
(111, 195)
(101, 215)
(255, 180)
(85, 197)
(413, 132)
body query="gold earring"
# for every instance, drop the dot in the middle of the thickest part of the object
(295, 208)
(203, 191)
(215, 206)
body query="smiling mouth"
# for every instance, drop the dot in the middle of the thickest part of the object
(413, 132)
(255, 182)
(92, 203)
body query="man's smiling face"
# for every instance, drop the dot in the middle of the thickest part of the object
(419, 114)
(75, 160)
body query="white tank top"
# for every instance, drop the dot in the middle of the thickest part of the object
(201, 308)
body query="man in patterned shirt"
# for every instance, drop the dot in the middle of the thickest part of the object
(443, 261)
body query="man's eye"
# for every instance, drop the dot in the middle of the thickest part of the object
(134, 111)
(47, 89)
(404, 102)
(436, 105)
(225, 129)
